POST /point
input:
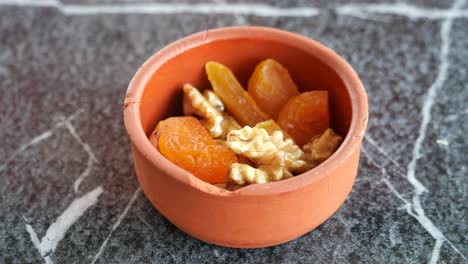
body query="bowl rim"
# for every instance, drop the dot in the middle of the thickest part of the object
(353, 85)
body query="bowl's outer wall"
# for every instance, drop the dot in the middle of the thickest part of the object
(246, 222)
(255, 216)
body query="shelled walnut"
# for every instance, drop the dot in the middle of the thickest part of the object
(214, 100)
(320, 148)
(209, 108)
(275, 157)
(196, 103)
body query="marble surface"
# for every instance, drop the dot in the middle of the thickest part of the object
(67, 185)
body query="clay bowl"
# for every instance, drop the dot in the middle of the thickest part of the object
(257, 215)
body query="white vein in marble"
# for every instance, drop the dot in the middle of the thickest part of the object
(368, 11)
(117, 223)
(76, 209)
(360, 10)
(430, 98)
(58, 229)
(91, 156)
(373, 143)
(413, 208)
(261, 10)
(37, 139)
(426, 118)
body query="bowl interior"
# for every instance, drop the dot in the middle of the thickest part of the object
(162, 96)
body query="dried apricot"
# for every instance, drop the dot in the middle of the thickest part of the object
(237, 101)
(305, 116)
(271, 86)
(185, 142)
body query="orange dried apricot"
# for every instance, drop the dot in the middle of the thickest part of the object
(305, 116)
(237, 101)
(271, 86)
(185, 142)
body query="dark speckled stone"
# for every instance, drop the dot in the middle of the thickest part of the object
(54, 66)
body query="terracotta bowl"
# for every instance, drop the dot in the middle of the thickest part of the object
(257, 215)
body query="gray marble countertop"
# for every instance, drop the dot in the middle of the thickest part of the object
(68, 189)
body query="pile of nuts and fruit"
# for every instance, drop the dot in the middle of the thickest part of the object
(232, 137)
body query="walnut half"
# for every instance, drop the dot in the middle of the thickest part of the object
(209, 107)
(276, 158)
(321, 147)
(196, 103)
